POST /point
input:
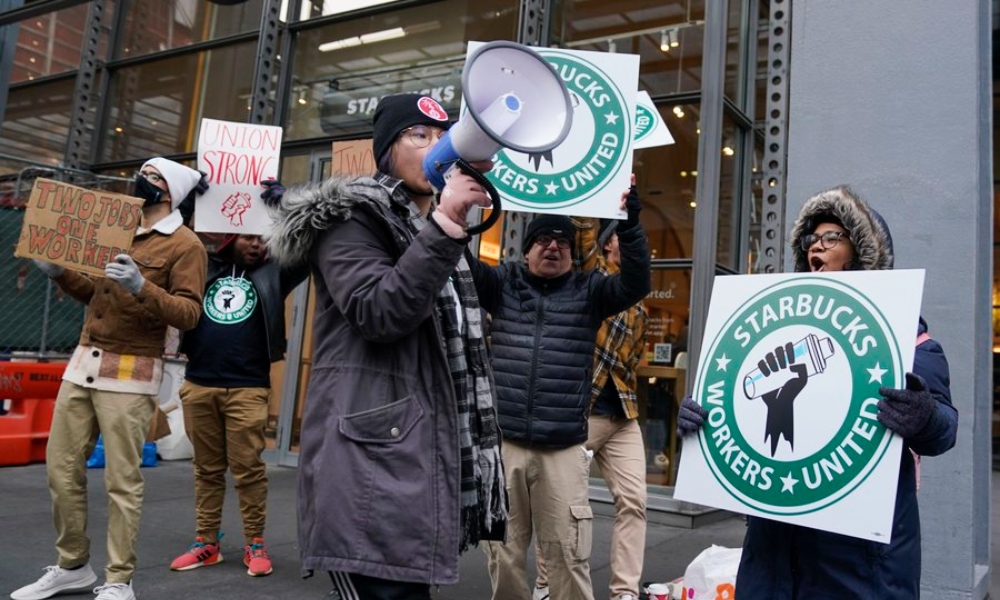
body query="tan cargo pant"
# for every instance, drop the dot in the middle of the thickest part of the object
(621, 458)
(123, 421)
(548, 492)
(226, 429)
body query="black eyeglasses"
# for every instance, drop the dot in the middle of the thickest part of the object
(829, 240)
(421, 136)
(544, 241)
(153, 178)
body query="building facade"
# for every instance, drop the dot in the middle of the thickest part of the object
(89, 90)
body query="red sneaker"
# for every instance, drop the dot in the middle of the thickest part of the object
(255, 558)
(199, 554)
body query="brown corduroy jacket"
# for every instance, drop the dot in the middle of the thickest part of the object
(174, 268)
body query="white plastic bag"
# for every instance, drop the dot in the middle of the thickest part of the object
(175, 446)
(712, 574)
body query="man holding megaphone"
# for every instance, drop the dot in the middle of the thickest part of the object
(400, 458)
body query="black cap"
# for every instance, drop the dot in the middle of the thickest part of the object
(397, 112)
(554, 225)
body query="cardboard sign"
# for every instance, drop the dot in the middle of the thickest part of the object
(353, 158)
(236, 157)
(593, 165)
(790, 372)
(77, 228)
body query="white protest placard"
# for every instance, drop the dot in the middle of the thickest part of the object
(650, 130)
(236, 157)
(798, 440)
(592, 167)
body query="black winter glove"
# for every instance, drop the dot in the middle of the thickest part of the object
(691, 417)
(273, 191)
(633, 206)
(906, 411)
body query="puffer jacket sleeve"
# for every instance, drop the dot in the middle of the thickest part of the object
(632, 283)
(938, 436)
(384, 295)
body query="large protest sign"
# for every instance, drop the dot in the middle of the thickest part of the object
(592, 167)
(236, 157)
(790, 372)
(77, 228)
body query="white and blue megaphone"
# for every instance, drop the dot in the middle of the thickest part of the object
(514, 99)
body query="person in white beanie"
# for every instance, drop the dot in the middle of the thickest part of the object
(112, 380)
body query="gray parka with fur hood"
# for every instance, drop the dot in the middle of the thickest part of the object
(790, 562)
(379, 461)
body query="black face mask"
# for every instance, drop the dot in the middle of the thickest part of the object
(147, 191)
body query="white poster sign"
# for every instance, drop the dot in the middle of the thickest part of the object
(591, 168)
(237, 157)
(790, 372)
(650, 130)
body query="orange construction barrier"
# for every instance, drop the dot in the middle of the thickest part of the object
(32, 389)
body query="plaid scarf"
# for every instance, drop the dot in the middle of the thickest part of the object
(483, 489)
(484, 500)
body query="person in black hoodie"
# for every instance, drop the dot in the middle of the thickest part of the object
(226, 389)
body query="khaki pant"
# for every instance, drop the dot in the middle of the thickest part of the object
(618, 451)
(548, 492)
(123, 421)
(226, 429)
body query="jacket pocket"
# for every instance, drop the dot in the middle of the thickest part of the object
(153, 268)
(583, 531)
(387, 424)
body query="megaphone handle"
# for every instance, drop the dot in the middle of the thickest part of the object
(490, 189)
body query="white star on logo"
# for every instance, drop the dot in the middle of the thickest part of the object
(612, 118)
(876, 373)
(551, 188)
(788, 483)
(722, 363)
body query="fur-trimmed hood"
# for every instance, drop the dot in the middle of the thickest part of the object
(307, 211)
(866, 228)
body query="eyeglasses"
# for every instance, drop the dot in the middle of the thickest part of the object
(829, 239)
(544, 241)
(421, 136)
(153, 178)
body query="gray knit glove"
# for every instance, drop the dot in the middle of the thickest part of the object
(906, 411)
(691, 417)
(49, 269)
(124, 271)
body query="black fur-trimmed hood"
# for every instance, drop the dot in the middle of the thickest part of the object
(307, 211)
(866, 228)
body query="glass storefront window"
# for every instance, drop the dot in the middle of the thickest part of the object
(50, 44)
(157, 107)
(342, 69)
(667, 177)
(735, 49)
(37, 120)
(668, 36)
(729, 200)
(158, 25)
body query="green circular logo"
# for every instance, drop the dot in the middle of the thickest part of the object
(644, 122)
(791, 383)
(590, 157)
(230, 300)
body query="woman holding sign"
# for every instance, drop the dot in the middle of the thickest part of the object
(837, 231)
(112, 379)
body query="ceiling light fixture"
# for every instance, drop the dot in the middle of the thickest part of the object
(612, 47)
(664, 41)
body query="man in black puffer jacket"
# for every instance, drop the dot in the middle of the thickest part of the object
(545, 319)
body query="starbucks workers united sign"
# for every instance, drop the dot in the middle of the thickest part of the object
(790, 372)
(593, 165)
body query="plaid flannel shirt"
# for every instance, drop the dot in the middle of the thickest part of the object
(621, 340)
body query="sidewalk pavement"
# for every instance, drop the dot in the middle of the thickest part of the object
(168, 527)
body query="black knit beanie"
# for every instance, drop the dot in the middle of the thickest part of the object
(397, 112)
(555, 225)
